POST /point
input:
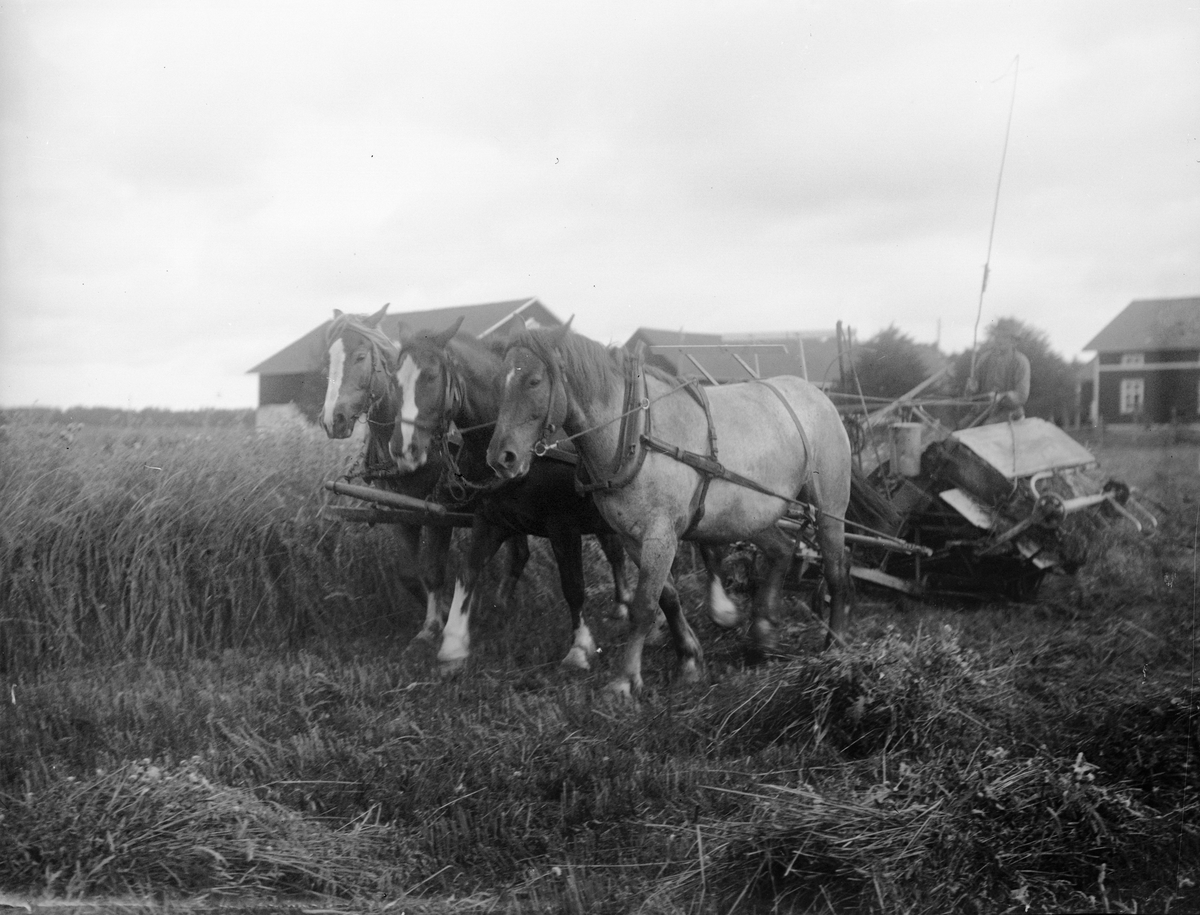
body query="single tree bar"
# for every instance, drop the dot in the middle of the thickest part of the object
(383, 497)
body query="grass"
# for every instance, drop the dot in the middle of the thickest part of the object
(253, 722)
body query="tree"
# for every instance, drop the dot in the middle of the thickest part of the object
(890, 364)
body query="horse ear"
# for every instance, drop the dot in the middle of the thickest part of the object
(404, 333)
(513, 326)
(558, 334)
(337, 313)
(374, 320)
(441, 339)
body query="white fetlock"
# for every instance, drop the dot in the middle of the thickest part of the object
(620, 612)
(721, 608)
(583, 650)
(456, 637)
(576, 659)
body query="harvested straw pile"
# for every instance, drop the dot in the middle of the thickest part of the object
(1030, 830)
(925, 693)
(145, 827)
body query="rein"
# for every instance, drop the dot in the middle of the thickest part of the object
(453, 399)
(634, 445)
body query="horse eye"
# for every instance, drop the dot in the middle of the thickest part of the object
(534, 381)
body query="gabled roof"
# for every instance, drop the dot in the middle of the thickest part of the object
(1150, 324)
(670, 350)
(306, 354)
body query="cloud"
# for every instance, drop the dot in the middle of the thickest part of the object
(209, 180)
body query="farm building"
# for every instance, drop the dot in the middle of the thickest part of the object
(292, 381)
(736, 357)
(1147, 367)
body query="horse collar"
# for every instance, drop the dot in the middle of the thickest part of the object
(630, 439)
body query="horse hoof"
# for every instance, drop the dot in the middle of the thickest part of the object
(426, 635)
(688, 673)
(451, 667)
(763, 642)
(620, 690)
(576, 660)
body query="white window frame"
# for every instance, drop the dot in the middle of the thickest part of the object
(1133, 396)
(1133, 359)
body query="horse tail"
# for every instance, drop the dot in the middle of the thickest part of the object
(868, 507)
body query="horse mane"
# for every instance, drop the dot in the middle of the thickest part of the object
(347, 323)
(590, 365)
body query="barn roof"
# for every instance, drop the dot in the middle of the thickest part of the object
(670, 349)
(1150, 324)
(306, 354)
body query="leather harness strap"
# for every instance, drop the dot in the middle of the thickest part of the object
(633, 445)
(630, 453)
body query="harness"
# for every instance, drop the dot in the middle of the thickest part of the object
(461, 488)
(375, 461)
(635, 443)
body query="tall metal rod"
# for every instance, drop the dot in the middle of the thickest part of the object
(995, 209)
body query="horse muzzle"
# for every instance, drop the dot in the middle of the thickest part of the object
(409, 460)
(340, 426)
(507, 464)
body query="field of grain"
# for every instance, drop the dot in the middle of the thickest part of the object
(211, 694)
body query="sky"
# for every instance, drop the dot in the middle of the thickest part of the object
(186, 188)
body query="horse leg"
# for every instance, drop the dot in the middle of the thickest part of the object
(653, 556)
(721, 608)
(408, 539)
(567, 543)
(518, 546)
(435, 553)
(778, 550)
(456, 637)
(614, 552)
(689, 654)
(831, 538)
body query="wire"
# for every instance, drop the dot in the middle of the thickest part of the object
(987, 264)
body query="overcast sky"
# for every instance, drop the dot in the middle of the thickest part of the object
(187, 188)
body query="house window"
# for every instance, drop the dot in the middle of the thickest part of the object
(1133, 395)
(1133, 358)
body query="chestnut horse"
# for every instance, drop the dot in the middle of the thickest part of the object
(361, 365)
(659, 482)
(451, 378)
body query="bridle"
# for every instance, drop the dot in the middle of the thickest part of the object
(384, 353)
(451, 400)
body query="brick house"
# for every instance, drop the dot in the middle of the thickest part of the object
(1147, 367)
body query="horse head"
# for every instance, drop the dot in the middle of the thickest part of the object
(426, 383)
(359, 359)
(532, 405)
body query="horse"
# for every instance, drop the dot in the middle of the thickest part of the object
(361, 362)
(451, 378)
(454, 378)
(662, 482)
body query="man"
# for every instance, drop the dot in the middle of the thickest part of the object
(1003, 372)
